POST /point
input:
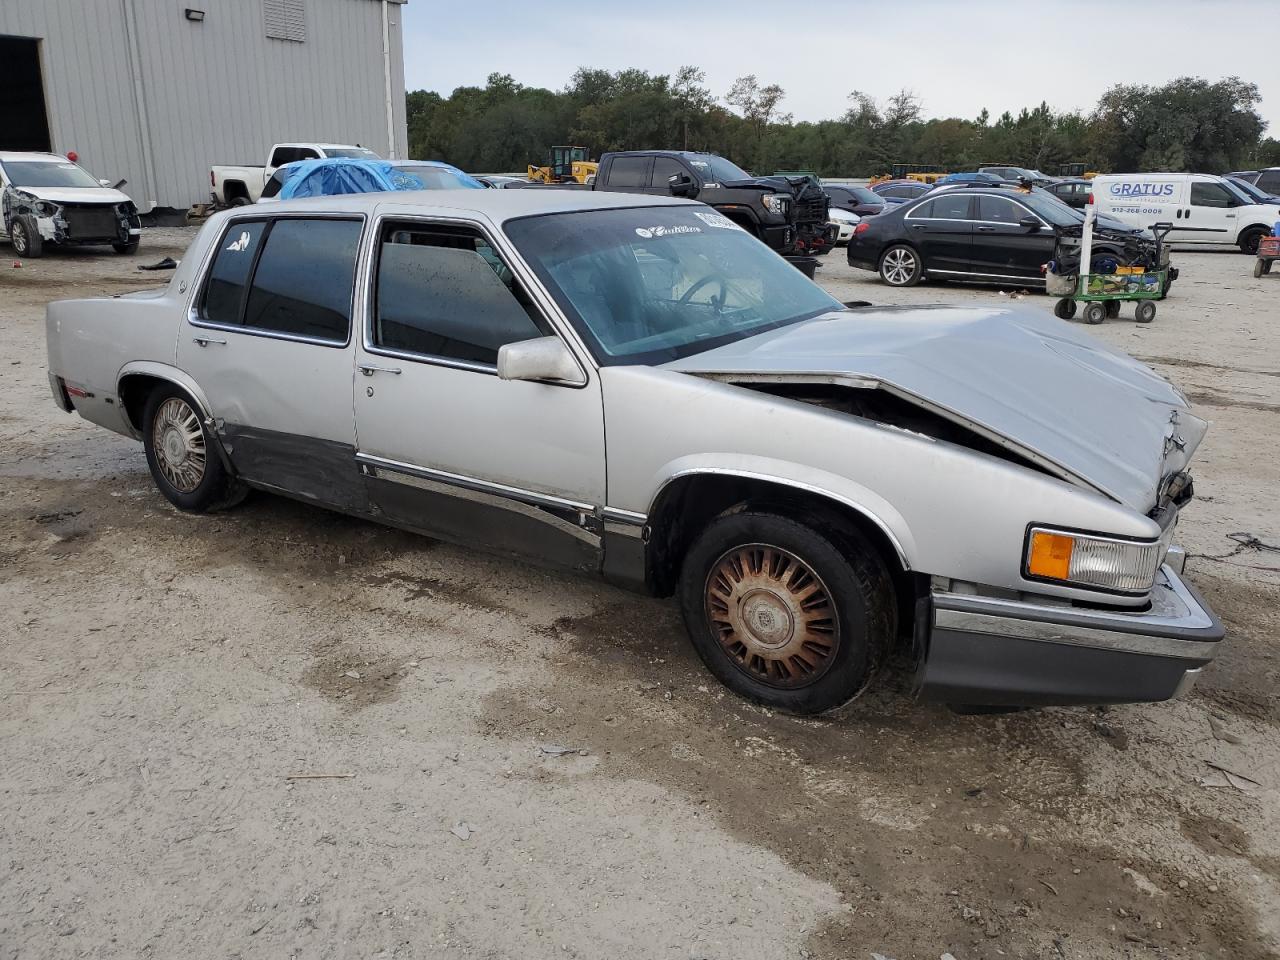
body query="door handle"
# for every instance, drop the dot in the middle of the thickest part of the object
(986, 229)
(369, 369)
(918, 226)
(205, 341)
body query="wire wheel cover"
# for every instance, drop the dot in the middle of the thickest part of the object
(773, 616)
(179, 445)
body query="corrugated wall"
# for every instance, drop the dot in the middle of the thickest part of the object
(218, 91)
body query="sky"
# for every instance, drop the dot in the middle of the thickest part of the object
(958, 56)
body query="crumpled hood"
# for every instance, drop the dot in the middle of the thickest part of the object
(1049, 389)
(104, 195)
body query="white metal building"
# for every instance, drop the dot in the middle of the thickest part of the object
(155, 91)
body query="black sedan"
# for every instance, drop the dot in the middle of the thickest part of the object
(986, 234)
(860, 200)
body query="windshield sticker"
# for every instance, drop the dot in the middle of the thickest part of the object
(241, 244)
(648, 233)
(717, 220)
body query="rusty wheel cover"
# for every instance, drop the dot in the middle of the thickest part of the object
(773, 616)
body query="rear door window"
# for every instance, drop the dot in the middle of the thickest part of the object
(291, 276)
(629, 172)
(952, 206)
(442, 291)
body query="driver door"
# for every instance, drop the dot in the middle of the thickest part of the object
(444, 445)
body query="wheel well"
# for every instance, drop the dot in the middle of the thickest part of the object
(234, 188)
(134, 390)
(688, 504)
(1261, 231)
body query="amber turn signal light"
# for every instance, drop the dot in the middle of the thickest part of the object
(1050, 555)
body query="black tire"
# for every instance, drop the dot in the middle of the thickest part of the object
(1145, 312)
(1064, 309)
(1113, 308)
(1094, 312)
(126, 249)
(239, 202)
(836, 582)
(211, 486)
(1260, 267)
(900, 266)
(25, 237)
(1249, 240)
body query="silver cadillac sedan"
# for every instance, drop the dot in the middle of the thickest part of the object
(637, 388)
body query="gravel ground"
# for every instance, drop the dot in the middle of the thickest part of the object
(163, 675)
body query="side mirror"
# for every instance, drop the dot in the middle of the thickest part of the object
(544, 359)
(119, 184)
(681, 185)
(1029, 223)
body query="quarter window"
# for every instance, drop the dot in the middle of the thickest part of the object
(443, 291)
(628, 171)
(303, 273)
(1210, 195)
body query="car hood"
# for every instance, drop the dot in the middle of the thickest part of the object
(104, 195)
(1057, 396)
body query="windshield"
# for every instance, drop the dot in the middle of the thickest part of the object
(1040, 175)
(1234, 188)
(413, 177)
(1052, 208)
(863, 195)
(359, 153)
(1248, 189)
(716, 169)
(646, 285)
(47, 173)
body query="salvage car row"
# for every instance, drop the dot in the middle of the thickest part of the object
(918, 487)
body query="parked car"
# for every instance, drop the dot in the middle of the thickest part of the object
(1268, 180)
(1037, 177)
(583, 377)
(1253, 193)
(1202, 208)
(894, 192)
(974, 232)
(237, 186)
(1074, 192)
(503, 183)
(49, 200)
(863, 201)
(324, 178)
(977, 177)
(789, 214)
(844, 222)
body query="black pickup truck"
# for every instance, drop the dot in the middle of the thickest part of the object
(788, 213)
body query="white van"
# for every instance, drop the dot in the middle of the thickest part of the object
(1202, 208)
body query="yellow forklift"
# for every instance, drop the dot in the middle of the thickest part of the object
(566, 165)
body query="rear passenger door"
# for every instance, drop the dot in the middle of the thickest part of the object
(268, 340)
(941, 229)
(447, 447)
(1003, 248)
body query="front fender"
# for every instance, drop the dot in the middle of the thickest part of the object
(820, 483)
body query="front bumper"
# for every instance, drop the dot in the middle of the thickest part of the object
(990, 651)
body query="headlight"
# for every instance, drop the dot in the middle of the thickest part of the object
(1126, 566)
(777, 203)
(44, 208)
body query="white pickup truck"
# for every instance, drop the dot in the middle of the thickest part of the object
(237, 186)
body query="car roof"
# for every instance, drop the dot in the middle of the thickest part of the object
(32, 155)
(495, 205)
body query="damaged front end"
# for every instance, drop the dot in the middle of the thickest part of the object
(65, 223)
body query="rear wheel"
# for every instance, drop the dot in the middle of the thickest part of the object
(784, 615)
(1113, 308)
(1260, 267)
(1250, 239)
(239, 201)
(1094, 312)
(180, 452)
(1064, 309)
(900, 266)
(25, 237)
(1145, 311)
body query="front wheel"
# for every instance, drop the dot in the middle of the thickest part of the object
(1145, 311)
(1094, 312)
(126, 249)
(25, 237)
(181, 455)
(1064, 309)
(901, 267)
(784, 615)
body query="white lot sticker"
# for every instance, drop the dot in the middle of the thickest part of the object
(714, 219)
(649, 233)
(241, 244)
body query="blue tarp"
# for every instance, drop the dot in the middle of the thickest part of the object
(338, 175)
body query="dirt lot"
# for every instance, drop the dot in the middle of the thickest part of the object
(162, 676)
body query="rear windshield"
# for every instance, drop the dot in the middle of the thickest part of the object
(646, 285)
(358, 153)
(47, 173)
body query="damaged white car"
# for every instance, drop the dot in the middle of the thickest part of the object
(636, 387)
(46, 199)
